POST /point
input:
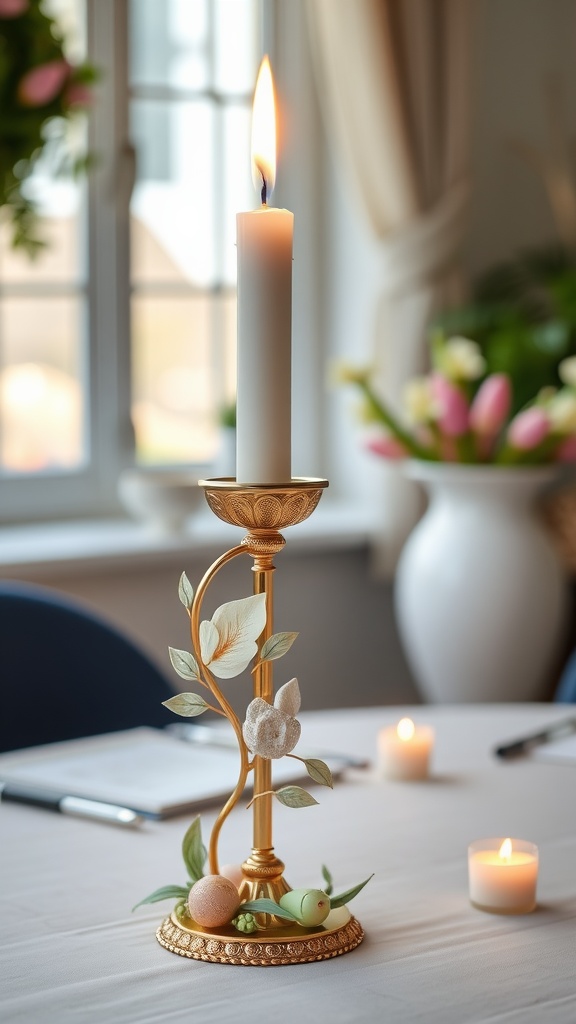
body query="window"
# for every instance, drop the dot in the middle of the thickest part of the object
(170, 135)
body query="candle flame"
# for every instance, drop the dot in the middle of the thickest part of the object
(405, 729)
(505, 851)
(264, 132)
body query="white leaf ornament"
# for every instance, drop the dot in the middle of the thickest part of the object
(228, 641)
(268, 732)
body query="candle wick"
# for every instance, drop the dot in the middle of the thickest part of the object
(264, 192)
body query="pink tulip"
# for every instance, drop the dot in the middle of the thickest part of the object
(491, 405)
(13, 8)
(43, 83)
(566, 451)
(453, 418)
(529, 428)
(386, 446)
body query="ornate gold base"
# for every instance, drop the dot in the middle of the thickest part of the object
(273, 948)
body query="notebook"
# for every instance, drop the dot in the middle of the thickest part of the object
(147, 770)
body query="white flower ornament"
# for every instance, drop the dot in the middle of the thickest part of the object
(272, 731)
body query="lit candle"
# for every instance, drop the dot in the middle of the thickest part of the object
(502, 875)
(263, 418)
(404, 751)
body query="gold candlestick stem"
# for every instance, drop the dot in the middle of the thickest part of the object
(263, 510)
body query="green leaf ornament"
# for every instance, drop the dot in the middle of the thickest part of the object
(319, 771)
(187, 705)
(264, 906)
(186, 592)
(345, 897)
(184, 664)
(167, 892)
(294, 796)
(276, 646)
(194, 851)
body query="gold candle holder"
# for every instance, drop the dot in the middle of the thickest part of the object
(263, 510)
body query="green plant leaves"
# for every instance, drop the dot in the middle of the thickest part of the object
(264, 906)
(186, 592)
(276, 646)
(184, 664)
(319, 771)
(294, 796)
(329, 887)
(188, 705)
(194, 851)
(167, 892)
(345, 897)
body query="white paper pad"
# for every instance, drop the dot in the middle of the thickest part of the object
(144, 769)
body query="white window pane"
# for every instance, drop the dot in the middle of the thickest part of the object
(237, 189)
(41, 387)
(175, 192)
(236, 45)
(169, 43)
(180, 374)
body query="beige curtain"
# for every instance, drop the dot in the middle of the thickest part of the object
(392, 81)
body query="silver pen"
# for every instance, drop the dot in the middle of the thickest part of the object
(65, 803)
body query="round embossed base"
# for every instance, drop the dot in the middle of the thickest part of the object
(222, 946)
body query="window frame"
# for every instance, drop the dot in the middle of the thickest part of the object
(92, 491)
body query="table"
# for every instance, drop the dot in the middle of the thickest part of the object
(71, 950)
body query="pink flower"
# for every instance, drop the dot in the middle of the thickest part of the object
(78, 95)
(386, 446)
(491, 405)
(13, 8)
(566, 451)
(43, 83)
(453, 418)
(529, 428)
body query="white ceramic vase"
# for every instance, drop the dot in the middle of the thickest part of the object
(481, 599)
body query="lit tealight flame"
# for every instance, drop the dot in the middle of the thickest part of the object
(405, 729)
(505, 851)
(264, 132)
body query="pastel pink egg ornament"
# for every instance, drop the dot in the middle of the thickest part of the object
(213, 901)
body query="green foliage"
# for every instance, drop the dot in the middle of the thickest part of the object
(523, 316)
(29, 129)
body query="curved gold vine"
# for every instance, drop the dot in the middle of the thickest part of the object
(245, 764)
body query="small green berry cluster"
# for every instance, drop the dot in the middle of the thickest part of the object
(245, 923)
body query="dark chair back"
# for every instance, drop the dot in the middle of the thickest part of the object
(566, 691)
(67, 673)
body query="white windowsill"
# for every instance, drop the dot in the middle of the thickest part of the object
(98, 546)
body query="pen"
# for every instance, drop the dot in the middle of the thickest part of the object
(522, 746)
(210, 737)
(76, 806)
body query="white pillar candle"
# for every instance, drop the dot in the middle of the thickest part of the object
(264, 236)
(404, 750)
(502, 875)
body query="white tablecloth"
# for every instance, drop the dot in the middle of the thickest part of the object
(71, 950)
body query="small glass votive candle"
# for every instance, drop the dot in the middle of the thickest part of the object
(502, 875)
(404, 751)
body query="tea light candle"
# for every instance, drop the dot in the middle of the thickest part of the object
(404, 750)
(502, 875)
